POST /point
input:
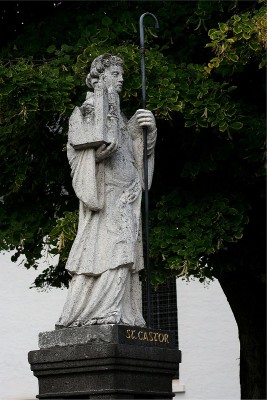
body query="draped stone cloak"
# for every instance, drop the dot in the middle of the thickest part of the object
(109, 230)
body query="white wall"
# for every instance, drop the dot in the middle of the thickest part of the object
(208, 338)
(24, 313)
(207, 334)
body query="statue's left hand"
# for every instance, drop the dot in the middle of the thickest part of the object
(104, 151)
(145, 118)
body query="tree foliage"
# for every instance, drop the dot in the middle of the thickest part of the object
(210, 152)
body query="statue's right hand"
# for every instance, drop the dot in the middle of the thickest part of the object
(105, 151)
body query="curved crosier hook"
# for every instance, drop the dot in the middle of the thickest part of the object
(142, 50)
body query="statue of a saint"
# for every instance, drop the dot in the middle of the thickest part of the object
(105, 152)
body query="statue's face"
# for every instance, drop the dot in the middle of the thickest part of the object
(113, 77)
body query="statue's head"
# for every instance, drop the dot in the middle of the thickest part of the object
(109, 68)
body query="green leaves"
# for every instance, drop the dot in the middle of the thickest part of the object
(211, 131)
(236, 125)
(206, 103)
(106, 21)
(240, 39)
(30, 86)
(51, 49)
(65, 229)
(186, 232)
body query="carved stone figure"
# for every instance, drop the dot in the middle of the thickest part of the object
(105, 152)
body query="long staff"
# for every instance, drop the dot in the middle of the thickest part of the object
(143, 72)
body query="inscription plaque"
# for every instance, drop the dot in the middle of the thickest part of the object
(146, 336)
(116, 334)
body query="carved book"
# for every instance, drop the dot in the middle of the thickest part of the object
(88, 127)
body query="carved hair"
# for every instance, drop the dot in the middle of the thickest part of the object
(99, 65)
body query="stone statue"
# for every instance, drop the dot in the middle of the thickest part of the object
(105, 152)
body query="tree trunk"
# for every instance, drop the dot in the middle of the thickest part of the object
(246, 296)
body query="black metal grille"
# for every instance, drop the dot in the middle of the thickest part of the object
(164, 307)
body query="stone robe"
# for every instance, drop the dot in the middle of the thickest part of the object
(107, 254)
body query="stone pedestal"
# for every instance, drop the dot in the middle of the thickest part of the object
(105, 362)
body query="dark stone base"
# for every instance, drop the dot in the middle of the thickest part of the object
(105, 371)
